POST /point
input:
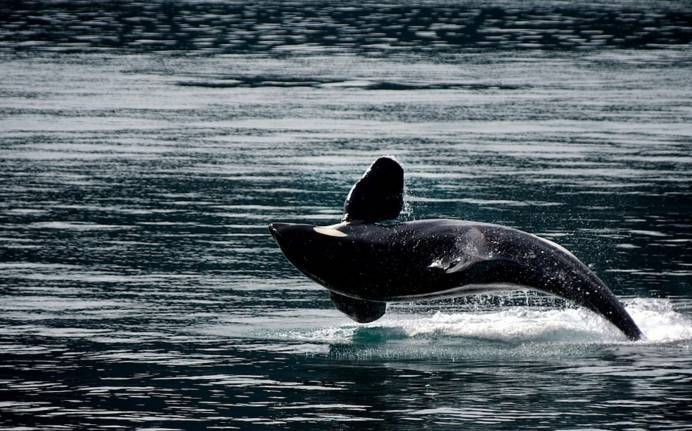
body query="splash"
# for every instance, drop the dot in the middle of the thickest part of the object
(406, 213)
(657, 318)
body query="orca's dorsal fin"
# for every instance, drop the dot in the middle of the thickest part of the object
(378, 195)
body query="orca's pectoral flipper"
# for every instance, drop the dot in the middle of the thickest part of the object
(378, 195)
(357, 309)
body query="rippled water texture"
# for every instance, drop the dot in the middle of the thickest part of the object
(144, 147)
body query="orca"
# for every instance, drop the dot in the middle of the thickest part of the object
(369, 259)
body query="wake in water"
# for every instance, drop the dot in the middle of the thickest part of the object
(505, 331)
(656, 317)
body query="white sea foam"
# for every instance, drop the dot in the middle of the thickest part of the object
(657, 318)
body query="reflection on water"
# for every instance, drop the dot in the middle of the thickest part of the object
(371, 27)
(140, 288)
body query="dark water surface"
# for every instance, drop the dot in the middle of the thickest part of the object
(144, 147)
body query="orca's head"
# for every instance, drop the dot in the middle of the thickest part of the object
(314, 250)
(335, 255)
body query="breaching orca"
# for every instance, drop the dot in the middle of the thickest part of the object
(365, 263)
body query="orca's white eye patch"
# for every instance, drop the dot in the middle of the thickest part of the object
(329, 231)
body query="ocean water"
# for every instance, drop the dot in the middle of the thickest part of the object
(145, 146)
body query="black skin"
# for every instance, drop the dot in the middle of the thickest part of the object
(371, 264)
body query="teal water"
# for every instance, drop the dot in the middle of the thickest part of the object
(144, 147)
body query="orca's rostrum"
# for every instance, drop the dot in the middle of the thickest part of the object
(365, 264)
